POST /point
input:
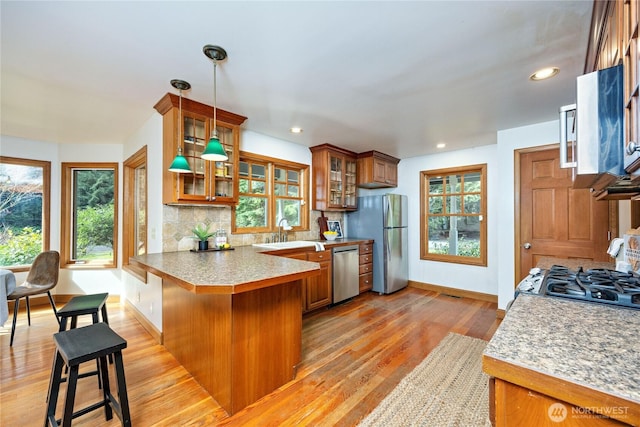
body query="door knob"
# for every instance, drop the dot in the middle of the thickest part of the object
(527, 245)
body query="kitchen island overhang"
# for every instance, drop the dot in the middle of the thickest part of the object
(233, 319)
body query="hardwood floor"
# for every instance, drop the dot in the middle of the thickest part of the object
(353, 356)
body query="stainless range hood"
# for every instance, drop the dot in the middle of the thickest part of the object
(592, 135)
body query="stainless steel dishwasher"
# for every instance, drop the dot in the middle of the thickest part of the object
(345, 272)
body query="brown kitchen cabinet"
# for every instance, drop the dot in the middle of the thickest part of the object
(614, 40)
(366, 266)
(377, 170)
(513, 405)
(631, 65)
(316, 290)
(334, 177)
(209, 183)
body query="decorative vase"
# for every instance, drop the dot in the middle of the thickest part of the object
(203, 245)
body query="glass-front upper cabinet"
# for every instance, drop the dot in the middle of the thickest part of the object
(335, 179)
(209, 182)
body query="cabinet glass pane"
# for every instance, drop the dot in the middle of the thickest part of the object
(193, 185)
(223, 188)
(335, 168)
(350, 183)
(335, 190)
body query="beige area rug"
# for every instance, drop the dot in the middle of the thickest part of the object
(448, 388)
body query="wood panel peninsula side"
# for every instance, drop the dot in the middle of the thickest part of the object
(232, 318)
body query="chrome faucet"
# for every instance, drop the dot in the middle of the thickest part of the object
(285, 227)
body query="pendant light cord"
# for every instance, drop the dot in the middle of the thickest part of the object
(180, 123)
(215, 101)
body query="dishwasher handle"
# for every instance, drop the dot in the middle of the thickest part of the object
(341, 249)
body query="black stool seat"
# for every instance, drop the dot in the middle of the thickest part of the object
(75, 346)
(81, 305)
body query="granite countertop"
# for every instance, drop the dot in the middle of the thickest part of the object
(227, 272)
(586, 344)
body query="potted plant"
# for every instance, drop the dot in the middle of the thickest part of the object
(202, 233)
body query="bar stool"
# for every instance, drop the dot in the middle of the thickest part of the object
(76, 346)
(81, 305)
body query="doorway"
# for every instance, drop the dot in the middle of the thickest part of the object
(554, 219)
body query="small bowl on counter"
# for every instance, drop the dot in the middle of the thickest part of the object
(330, 235)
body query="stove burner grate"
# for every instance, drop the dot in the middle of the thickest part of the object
(594, 285)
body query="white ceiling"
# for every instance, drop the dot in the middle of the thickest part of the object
(397, 77)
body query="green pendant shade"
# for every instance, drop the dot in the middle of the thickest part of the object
(180, 164)
(214, 151)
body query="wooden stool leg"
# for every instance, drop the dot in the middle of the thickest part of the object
(122, 390)
(72, 381)
(54, 390)
(106, 391)
(105, 319)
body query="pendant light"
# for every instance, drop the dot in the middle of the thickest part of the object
(180, 163)
(214, 150)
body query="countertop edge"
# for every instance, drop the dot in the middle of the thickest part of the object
(562, 389)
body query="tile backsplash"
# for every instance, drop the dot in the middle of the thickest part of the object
(178, 221)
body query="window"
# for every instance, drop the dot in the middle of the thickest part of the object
(453, 211)
(270, 190)
(134, 209)
(89, 214)
(25, 187)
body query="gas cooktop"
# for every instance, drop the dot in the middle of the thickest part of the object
(594, 285)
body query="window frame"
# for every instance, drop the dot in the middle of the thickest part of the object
(66, 227)
(424, 214)
(46, 202)
(271, 164)
(129, 212)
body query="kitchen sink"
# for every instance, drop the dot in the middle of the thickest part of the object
(285, 245)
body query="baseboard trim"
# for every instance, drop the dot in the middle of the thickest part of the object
(59, 299)
(148, 326)
(454, 291)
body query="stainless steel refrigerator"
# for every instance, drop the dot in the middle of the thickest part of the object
(384, 219)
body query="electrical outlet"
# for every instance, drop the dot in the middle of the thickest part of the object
(138, 296)
(151, 308)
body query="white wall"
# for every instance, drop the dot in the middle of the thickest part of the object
(147, 297)
(509, 141)
(467, 277)
(71, 281)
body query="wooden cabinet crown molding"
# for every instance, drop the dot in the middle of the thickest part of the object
(379, 155)
(170, 101)
(333, 148)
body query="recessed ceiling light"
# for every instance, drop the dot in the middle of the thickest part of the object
(544, 73)
(295, 130)
(441, 145)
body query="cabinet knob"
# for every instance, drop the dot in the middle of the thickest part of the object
(632, 147)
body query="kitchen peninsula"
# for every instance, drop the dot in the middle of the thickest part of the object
(232, 318)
